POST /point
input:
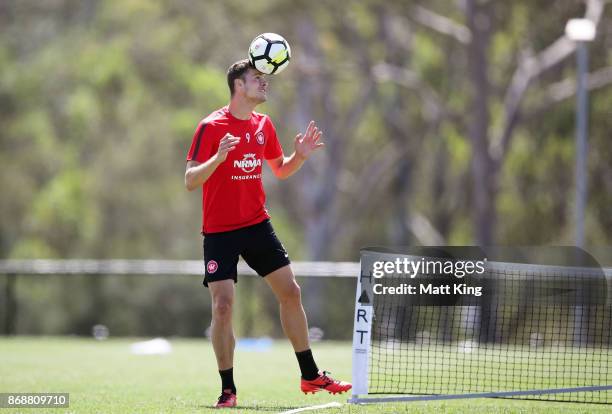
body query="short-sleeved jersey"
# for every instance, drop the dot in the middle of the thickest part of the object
(233, 196)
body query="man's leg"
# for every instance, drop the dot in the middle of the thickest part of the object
(293, 318)
(267, 256)
(222, 332)
(292, 315)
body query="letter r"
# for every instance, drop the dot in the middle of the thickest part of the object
(361, 313)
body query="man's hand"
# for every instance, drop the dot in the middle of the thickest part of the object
(305, 145)
(196, 174)
(309, 142)
(227, 144)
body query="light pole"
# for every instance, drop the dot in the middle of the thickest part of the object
(581, 31)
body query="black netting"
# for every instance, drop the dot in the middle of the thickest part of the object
(534, 327)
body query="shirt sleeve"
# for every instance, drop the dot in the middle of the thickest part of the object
(273, 147)
(201, 145)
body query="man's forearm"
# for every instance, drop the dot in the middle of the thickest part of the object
(290, 166)
(197, 175)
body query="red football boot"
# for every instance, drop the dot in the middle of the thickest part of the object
(227, 399)
(326, 383)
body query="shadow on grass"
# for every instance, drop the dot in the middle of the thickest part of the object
(257, 407)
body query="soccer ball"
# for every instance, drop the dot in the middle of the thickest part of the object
(269, 53)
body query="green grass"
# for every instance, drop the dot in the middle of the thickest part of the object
(447, 369)
(104, 377)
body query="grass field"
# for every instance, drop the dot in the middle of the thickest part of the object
(104, 377)
(458, 368)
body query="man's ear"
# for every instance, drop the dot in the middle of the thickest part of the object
(238, 83)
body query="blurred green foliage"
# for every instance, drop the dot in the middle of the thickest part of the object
(99, 101)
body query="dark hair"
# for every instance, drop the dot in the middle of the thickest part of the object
(237, 71)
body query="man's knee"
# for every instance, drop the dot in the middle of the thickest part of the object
(222, 307)
(292, 294)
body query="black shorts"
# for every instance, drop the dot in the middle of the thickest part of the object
(257, 244)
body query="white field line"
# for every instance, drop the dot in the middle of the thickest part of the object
(313, 407)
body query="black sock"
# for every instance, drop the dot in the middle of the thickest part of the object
(307, 365)
(227, 380)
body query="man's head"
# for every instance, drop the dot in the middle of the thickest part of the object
(246, 81)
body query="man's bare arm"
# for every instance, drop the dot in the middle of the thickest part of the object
(197, 173)
(283, 167)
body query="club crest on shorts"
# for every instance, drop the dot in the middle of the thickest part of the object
(212, 266)
(260, 137)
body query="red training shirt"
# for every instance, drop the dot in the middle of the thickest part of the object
(233, 196)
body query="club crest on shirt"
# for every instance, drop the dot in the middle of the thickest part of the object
(260, 137)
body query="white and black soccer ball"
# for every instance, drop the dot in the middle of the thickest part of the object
(269, 53)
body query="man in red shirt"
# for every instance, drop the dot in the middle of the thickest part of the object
(225, 160)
